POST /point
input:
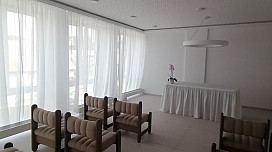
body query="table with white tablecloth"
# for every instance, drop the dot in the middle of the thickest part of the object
(201, 100)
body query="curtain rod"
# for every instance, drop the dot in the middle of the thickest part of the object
(86, 13)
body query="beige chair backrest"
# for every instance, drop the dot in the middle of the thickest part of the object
(82, 127)
(245, 128)
(128, 108)
(95, 102)
(47, 119)
(243, 131)
(44, 117)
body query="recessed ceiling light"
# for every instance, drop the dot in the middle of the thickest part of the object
(95, 1)
(200, 9)
(155, 25)
(133, 16)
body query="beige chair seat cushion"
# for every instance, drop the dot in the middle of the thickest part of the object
(98, 113)
(229, 143)
(86, 144)
(48, 132)
(11, 149)
(131, 120)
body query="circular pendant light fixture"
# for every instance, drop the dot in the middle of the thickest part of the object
(204, 43)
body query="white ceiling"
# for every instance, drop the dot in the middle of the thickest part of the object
(177, 13)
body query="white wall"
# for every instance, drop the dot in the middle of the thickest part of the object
(195, 58)
(163, 47)
(245, 63)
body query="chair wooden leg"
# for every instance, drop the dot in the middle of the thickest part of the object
(213, 147)
(149, 122)
(270, 145)
(58, 148)
(105, 125)
(66, 149)
(34, 146)
(34, 126)
(114, 127)
(118, 142)
(139, 134)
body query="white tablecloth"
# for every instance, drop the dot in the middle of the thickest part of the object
(201, 100)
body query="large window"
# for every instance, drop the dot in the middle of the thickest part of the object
(21, 67)
(81, 63)
(50, 57)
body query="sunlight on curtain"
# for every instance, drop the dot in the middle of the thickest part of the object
(82, 48)
(18, 69)
(120, 60)
(51, 57)
(33, 40)
(106, 61)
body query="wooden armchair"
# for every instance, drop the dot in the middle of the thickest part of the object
(88, 136)
(241, 135)
(129, 116)
(97, 108)
(46, 128)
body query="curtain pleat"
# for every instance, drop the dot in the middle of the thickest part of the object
(4, 112)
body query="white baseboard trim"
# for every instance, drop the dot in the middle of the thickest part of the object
(257, 108)
(125, 95)
(152, 94)
(13, 129)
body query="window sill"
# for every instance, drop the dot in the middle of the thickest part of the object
(15, 128)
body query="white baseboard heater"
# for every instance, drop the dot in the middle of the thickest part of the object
(125, 95)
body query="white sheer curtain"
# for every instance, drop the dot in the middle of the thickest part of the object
(34, 59)
(106, 61)
(18, 74)
(110, 59)
(133, 52)
(120, 60)
(50, 56)
(82, 48)
(4, 109)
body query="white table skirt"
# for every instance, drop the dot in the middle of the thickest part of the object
(201, 101)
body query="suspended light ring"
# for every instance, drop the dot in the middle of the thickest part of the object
(205, 43)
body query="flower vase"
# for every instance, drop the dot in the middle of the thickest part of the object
(172, 81)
